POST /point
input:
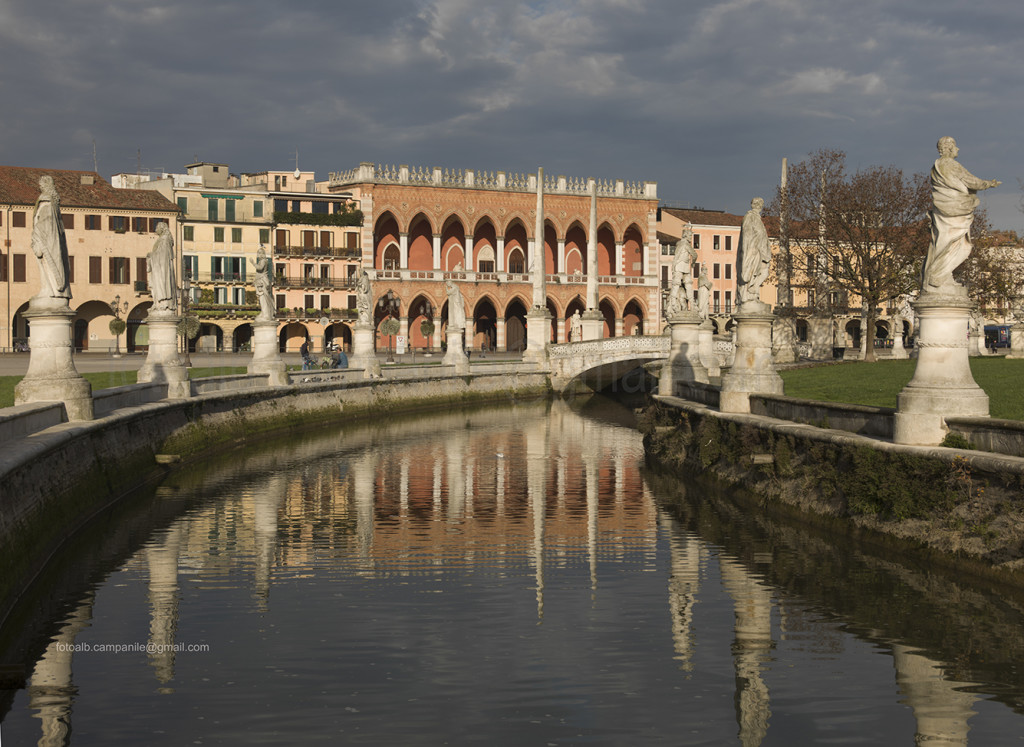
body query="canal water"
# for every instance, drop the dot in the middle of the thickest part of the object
(508, 576)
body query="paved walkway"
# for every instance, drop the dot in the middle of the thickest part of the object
(16, 364)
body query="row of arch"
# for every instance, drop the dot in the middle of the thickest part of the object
(420, 246)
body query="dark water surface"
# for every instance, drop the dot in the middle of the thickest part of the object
(497, 576)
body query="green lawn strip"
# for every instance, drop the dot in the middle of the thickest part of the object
(108, 379)
(877, 384)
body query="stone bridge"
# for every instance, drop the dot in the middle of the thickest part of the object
(595, 364)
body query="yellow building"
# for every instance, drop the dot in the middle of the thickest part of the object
(109, 232)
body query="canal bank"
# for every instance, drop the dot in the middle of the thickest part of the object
(954, 507)
(56, 480)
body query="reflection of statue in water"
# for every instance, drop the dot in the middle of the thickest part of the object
(954, 198)
(163, 282)
(680, 290)
(456, 306)
(49, 244)
(264, 284)
(364, 299)
(703, 292)
(755, 254)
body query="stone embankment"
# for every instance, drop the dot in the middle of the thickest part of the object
(957, 507)
(53, 480)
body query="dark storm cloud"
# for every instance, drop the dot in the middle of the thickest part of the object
(703, 97)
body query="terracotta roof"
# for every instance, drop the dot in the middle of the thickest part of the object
(19, 185)
(705, 217)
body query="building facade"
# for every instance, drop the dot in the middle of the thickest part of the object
(423, 227)
(109, 233)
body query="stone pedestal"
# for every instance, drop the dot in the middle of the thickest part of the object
(820, 337)
(593, 325)
(706, 348)
(456, 353)
(266, 352)
(753, 371)
(162, 362)
(942, 385)
(898, 351)
(364, 355)
(1016, 341)
(51, 375)
(784, 340)
(683, 362)
(538, 335)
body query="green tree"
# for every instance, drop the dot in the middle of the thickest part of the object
(863, 234)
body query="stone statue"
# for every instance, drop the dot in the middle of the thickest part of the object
(575, 327)
(364, 300)
(755, 255)
(456, 306)
(703, 293)
(264, 285)
(163, 281)
(49, 243)
(954, 198)
(681, 285)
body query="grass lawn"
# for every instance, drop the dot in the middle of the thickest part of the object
(878, 383)
(107, 379)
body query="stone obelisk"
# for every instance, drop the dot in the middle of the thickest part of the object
(538, 318)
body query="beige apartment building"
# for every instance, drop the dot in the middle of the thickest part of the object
(312, 238)
(109, 232)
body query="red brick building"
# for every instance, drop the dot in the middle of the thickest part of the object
(424, 226)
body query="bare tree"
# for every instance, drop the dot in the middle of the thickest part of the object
(860, 235)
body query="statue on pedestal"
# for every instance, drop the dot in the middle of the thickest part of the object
(703, 293)
(680, 290)
(364, 300)
(264, 285)
(456, 306)
(954, 198)
(576, 327)
(755, 255)
(49, 243)
(160, 269)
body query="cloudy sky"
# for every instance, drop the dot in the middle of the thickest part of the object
(703, 97)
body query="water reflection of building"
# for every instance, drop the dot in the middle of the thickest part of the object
(530, 495)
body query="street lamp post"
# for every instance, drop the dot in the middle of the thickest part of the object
(389, 303)
(115, 307)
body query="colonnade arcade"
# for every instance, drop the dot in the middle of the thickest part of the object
(494, 320)
(496, 249)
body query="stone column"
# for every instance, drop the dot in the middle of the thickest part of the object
(538, 319)
(784, 340)
(403, 251)
(753, 371)
(706, 349)
(683, 363)
(162, 362)
(898, 351)
(266, 352)
(593, 321)
(499, 337)
(51, 375)
(456, 354)
(819, 335)
(942, 385)
(364, 355)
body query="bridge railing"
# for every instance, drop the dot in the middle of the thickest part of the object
(631, 344)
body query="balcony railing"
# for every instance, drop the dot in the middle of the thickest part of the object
(330, 252)
(304, 281)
